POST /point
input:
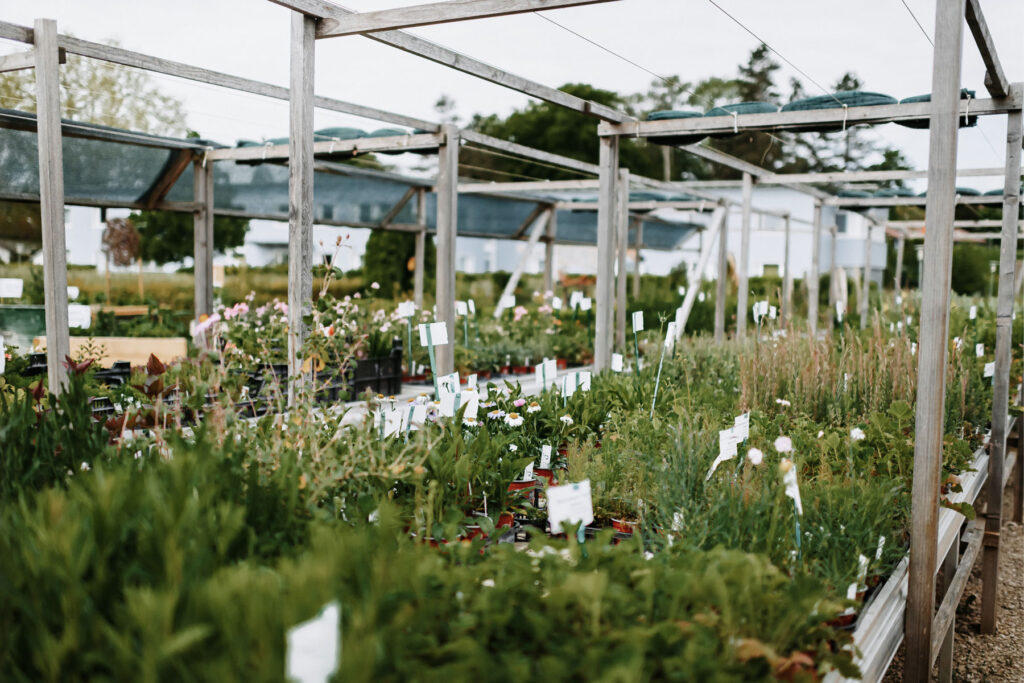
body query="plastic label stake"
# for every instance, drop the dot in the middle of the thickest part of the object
(572, 504)
(670, 338)
(432, 334)
(313, 649)
(638, 326)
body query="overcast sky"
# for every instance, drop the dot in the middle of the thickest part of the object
(876, 39)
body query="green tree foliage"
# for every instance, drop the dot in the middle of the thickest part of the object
(388, 259)
(168, 236)
(970, 268)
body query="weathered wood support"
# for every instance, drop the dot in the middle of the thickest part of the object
(901, 245)
(539, 223)
(722, 284)
(933, 337)
(51, 202)
(300, 196)
(787, 278)
(814, 277)
(865, 286)
(549, 251)
(202, 237)
(949, 566)
(1001, 378)
(447, 230)
(622, 240)
(743, 263)
(716, 226)
(606, 216)
(638, 223)
(420, 253)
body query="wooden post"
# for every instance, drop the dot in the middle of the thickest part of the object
(202, 229)
(421, 250)
(814, 277)
(622, 227)
(300, 196)
(787, 277)
(865, 291)
(549, 251)
(51, 202)
(638, 223)
(609, 174)
(721, 288)
(716, 225)
(901, 244)
(447, 228)
(833, 284)
(933, 337)
(744, 261)
(1001, 378)
(949, 565)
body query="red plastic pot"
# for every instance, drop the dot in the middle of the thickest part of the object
(505, 519)
(563, 364)
(624, 526)
(549, 475)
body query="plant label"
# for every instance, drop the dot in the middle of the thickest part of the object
(892, 327)
(11, 287)
(616, 362)
(958, 343)
(472, 306)
(670, 335)
(741, 427)
(899, 299)
(418, 416)
(448, 384)
(570, 503)
(406, 309)
(773, 312)
(79, 315)
(638, 321)
(878, 550)
(314, 647)
(528, 473)
(979, 350)
(72, 292)
(461, 308)
(433, 334)
(793, 488)
(973, 313)
(682, 291)
(913, 348)
(583, 380)
(508, 301)
(392, 422)
(556, 303)
(840, 309)
(575, 298)
(910, 320)
(545, 457)
(679, 318)
(471, 382)
(701, 297)
(547, 373)
(727, 443)
(990, 369)
(568, 385)
(586, 303)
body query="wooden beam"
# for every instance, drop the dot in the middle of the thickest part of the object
(528, 152)
(530, 218)
(743, 263)
(51, 203)
(640, 206)
(435, 13)
(420, 253)
(540, 223)
(549, 251)
(117, 55)
(946, 614)
(622, 247)
(86, 131)
(879, 202)
(1001, 378)
(865, 291)
(529, 186)
(394, 143)
(787, 277)
(397, 208)
(638, 244)
(995, 80)
(901, 243)
(730, 161)
(172, 171)
(787, 120)
(716, 226)
(606, 215)
(300, 197)
(814, 278)
(460, 62)
(447, 230)
(202, 237)
(18, 61)
(721, 289)
(945, 110)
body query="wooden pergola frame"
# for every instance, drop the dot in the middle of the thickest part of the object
(316, 18)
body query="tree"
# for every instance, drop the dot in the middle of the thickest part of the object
(389, 255)
(168, 236)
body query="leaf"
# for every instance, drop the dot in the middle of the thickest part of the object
(752, 648)
(790, 668)
(964, 508)
(154, 366)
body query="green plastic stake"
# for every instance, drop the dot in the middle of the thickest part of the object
(636, 348)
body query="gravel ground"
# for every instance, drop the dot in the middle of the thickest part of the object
(1000, 656)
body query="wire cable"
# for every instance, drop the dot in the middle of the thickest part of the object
(916, 21)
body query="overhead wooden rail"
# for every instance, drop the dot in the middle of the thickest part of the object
(394, 143)
(842, 177)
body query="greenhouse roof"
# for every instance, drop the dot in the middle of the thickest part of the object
(110, 167)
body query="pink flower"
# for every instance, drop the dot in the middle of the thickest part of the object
(518, 312)
(544, 309)
(203, 326)
(241, 308)
(374, 285)
(356, 296)
(519, 402)
(281, 306)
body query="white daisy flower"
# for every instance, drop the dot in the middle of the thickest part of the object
(566, 420)
(512, 447)
(857, 434)
(784, 444)
(513, 419)
(755, 456)
(533, 408)
(783, 402)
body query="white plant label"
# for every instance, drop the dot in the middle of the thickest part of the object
(547, 373)
(575, 298)
(583, 380)
(878, 550)
(556, 303)
(899, 299)
(433, 334)
(990, 369)
(913, 348)
(616, 362)
(679, 318)
(452, 403)
(508, 301)
(773, 312)
(727, 443)
(979, 350)
(638, 321)
(472, 306)
(393, 422)
(973, 313)
(448, 384)
(406, 309)
(840, 309)
(958, 343)
(545, 457)
(314, 647)
(11, 287)
(570, 503)
(670, 335)
(418, 416)
(586, 303)
(682, 291)
(701, 297)
(568, 385)
(528, 473)
(741, 427)
(910, 320)
(72, 292)
(793, 489)
(79, 315)
(461, 308)
(471, 382)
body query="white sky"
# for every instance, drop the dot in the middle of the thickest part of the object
(876, 39)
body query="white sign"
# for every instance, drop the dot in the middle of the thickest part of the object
(472, 307)
(528, 473)
(433, 334)
(556, 303)
(586, 304)
(508, 301)
(973, 313)
(792, 488)
(760, 309)
(840, 309)
(727, 443)
(545, 457)
(773, 312)
(72, 292)
(393, 421)
(913, 348)
(570, 503)
(575, 298)
(990, 369)
(547, 373)
(461, 308)
(406, 309)
(79, 315)
(701, 297)
(899, 299)
(670, 335)
(682, 291)
(452, 403)
(314, 647)
(616, 362)
(448, 384)
(638, 321)
(741, 427)
(11, 287)
(979, 350)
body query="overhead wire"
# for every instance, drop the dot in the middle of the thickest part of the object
(916, 21)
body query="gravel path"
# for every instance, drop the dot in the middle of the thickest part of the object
(1000, 656)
